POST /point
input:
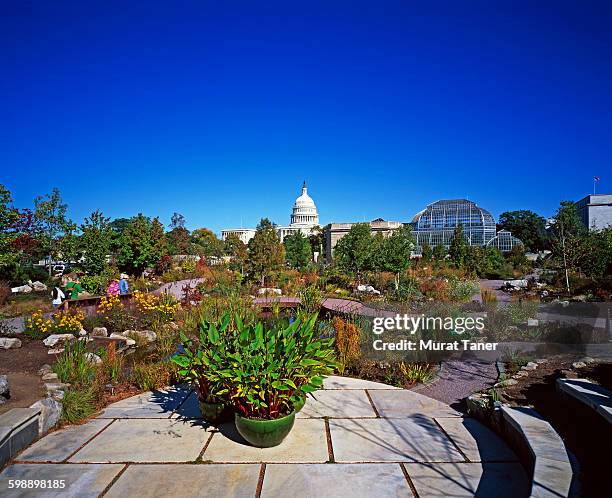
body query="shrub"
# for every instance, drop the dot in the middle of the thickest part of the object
(415, 372)
(73, 366)
(435, 288)
(149, 376)
(348, 341)
(114, 315)
(78, 404)
(310, 299)
(156, 309)
(94, 284)
(462, 290)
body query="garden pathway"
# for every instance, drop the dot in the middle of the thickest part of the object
(357, 439)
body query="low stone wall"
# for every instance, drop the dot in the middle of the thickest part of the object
(18, 428)
(538, 446)
(590, 394)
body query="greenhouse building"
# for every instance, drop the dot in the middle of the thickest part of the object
(435, 225)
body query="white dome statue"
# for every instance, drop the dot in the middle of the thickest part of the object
(304, 210)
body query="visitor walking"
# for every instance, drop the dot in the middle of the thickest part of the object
(57, 296)
(72, 288)
(123, 284)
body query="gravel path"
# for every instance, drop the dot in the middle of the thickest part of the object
(460, 378)
(175, 289)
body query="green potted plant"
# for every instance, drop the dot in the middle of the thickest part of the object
(269, 373)
(201, 361)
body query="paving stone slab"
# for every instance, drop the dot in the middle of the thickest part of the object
(307, 442)
(146, 440)
(337, 382)
(339, 404)
(59, 445)
(154, 404)
(402, 403)
(477, 441)
(335, 480)
(187, 480)
(501, 480)
(82, 481)
(391, 440)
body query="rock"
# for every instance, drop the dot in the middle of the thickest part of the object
(270, 290)
(45, 369)
(367, 288)
(51, 412)
(587, 359)
(2, 400)
(82, 332)
(4, 386)
(58, 395)
(55, 351)
(54, 386)
(539, 361)
(580, 298)
(9, 343)
(145, 335)
(99, 332)
(578, 364)
(520, 374)
(53, 339)
(50, 376)
(128, 341)
(93, 358)
(532, 322)
(506, 383)
(38, 286)
(22, 289)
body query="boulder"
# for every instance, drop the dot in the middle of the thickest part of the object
(49, 377)
(53, 339)
(128, 341)
(99, 332)
(270, 290)
(368, 289)
(38, 286)
(50, 414)
(4, 386)
(145, 335)
(82, 332)
(9, 343)
(55, 351)
(45, 369)
(22, 289)
(506, 383)
(578, 364)
(93, 358)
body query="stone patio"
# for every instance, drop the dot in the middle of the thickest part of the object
(358, 438)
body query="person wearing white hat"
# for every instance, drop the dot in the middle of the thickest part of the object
(123, 284)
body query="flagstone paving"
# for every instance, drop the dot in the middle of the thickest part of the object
(356, 438)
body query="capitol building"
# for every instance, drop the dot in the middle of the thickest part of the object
(304, 217)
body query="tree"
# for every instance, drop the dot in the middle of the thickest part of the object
(353, 252)
(426, 253)
(8, 217)
(266, 253)
(298, 251)
(207, 243)
(179, 241)
(458, 247)
(50, 214)
(396, 252)
(526, 225)
(237, 250)
(317, 240)
(439, 252)
(95, 242)
(142, 244)
(177, 221)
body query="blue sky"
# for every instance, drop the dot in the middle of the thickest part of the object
(219, 112)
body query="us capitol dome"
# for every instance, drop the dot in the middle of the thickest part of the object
(304, 218)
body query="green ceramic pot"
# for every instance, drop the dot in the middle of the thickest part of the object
(215, 413)
(265, 433)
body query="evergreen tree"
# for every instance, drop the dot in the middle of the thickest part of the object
(458, 247)
(95, 242)
(266, 253)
